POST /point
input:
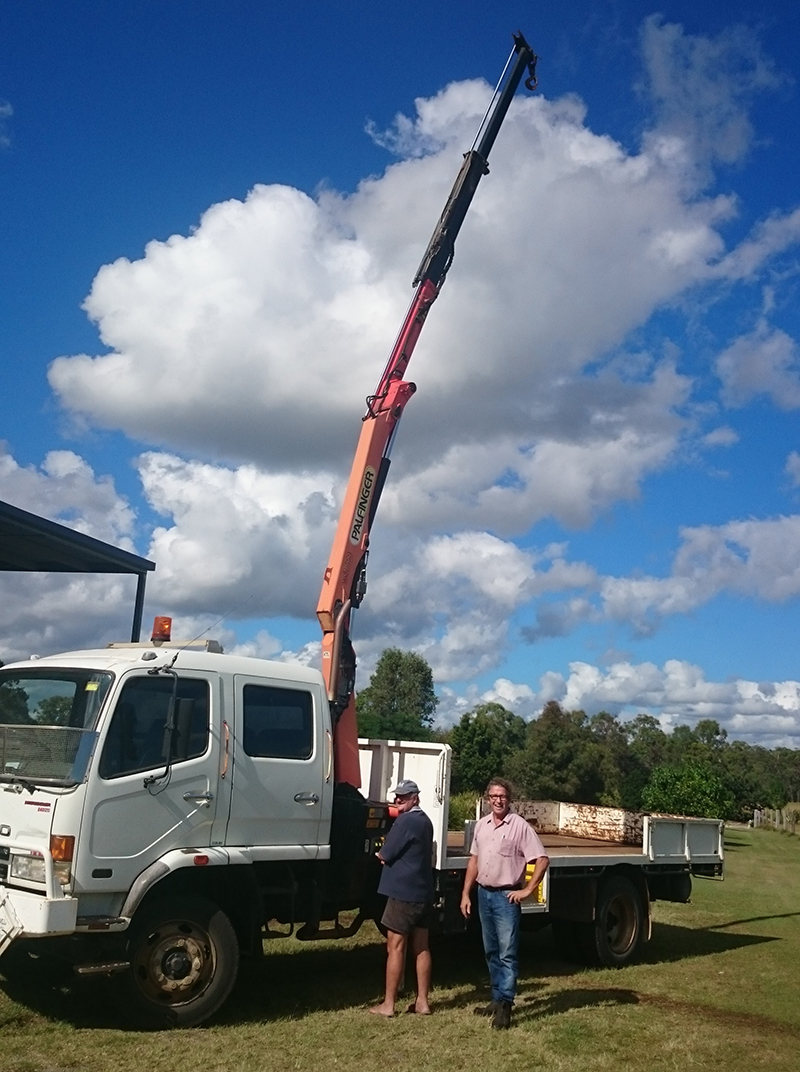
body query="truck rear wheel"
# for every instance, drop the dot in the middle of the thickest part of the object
(614, 937)
(184, 959)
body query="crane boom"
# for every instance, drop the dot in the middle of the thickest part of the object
(344, 581)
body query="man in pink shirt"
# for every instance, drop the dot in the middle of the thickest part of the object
(502, 846)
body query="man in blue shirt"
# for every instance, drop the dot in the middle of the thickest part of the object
(407, 882)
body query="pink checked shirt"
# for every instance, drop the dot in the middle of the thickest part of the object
(504, 849)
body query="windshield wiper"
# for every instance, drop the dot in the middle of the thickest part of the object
(17, 780)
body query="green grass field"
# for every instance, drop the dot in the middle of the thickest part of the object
(716, 986)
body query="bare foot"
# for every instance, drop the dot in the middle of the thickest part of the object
(383, 1010)
(419, 1008)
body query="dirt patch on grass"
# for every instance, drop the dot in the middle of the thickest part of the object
(738, 1020)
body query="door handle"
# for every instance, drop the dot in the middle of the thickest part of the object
(199, 798)
(306, 798)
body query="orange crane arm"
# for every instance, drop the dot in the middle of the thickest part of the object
(344, 582)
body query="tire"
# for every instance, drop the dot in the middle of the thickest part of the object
(184, 959)
(613, 938)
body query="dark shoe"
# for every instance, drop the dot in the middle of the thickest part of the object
(486, 1010)
(502, 1017)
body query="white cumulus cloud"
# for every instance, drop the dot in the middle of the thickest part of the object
(766, 361)
(65, 489)
(702, 86)
(255, 337)
(238, 539)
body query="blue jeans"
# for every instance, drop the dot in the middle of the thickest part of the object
(500, 927)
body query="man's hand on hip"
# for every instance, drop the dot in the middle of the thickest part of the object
(516, 896)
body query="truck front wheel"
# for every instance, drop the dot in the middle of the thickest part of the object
(184, 960)
(614, 937)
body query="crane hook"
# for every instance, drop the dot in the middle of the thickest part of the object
(531, 82)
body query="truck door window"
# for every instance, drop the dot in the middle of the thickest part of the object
(138, 738)
(278, 723)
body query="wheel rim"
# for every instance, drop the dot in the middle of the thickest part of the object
(620, 925)
(175, 963)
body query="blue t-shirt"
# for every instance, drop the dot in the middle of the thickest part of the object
(407, 854)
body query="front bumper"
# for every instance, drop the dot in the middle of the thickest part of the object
(30, 915)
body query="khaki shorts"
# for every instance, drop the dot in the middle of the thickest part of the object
(404, 916)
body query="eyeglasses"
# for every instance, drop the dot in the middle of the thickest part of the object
(498, 796)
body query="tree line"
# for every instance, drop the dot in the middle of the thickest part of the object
(587, 759)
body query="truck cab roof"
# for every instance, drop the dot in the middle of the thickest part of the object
(146, 655)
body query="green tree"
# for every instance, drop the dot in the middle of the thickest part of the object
(462, 807)
(693, 788)
(647, 741)
(482, 743)
(682, 744)
(54, 711)
(709, 732)
(742, 770)
(13, 705)
(647, 749)
(616, 762)
(561, 759)
(399, 702)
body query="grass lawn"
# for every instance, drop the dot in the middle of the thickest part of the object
(717, 986)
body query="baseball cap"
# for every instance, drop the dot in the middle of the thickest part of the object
(405, 788)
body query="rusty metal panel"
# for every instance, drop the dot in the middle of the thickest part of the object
(543, 815)
(589, 821)
(604, 824)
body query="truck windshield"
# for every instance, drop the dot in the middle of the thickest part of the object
(47, 724)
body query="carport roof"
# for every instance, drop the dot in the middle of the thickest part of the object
(32, 544)
(29, 543)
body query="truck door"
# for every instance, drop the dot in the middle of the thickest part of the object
(281, 789)
(138, 807)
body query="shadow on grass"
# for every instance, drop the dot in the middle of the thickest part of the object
(736, 839)
(671, 943)
(294, 981)
(48, 987)
(281, 985)
(752, 919)
(530, 1009)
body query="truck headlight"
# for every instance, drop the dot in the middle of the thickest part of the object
(28, 868)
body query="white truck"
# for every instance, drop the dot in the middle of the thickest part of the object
(163, 809)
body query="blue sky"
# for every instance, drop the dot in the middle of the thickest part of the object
(211, 216)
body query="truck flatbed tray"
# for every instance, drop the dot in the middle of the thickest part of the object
(560, 845)
(567, 845)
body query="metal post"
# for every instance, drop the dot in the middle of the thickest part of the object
(138, 608)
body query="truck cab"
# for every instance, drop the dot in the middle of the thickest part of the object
(115, 760)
